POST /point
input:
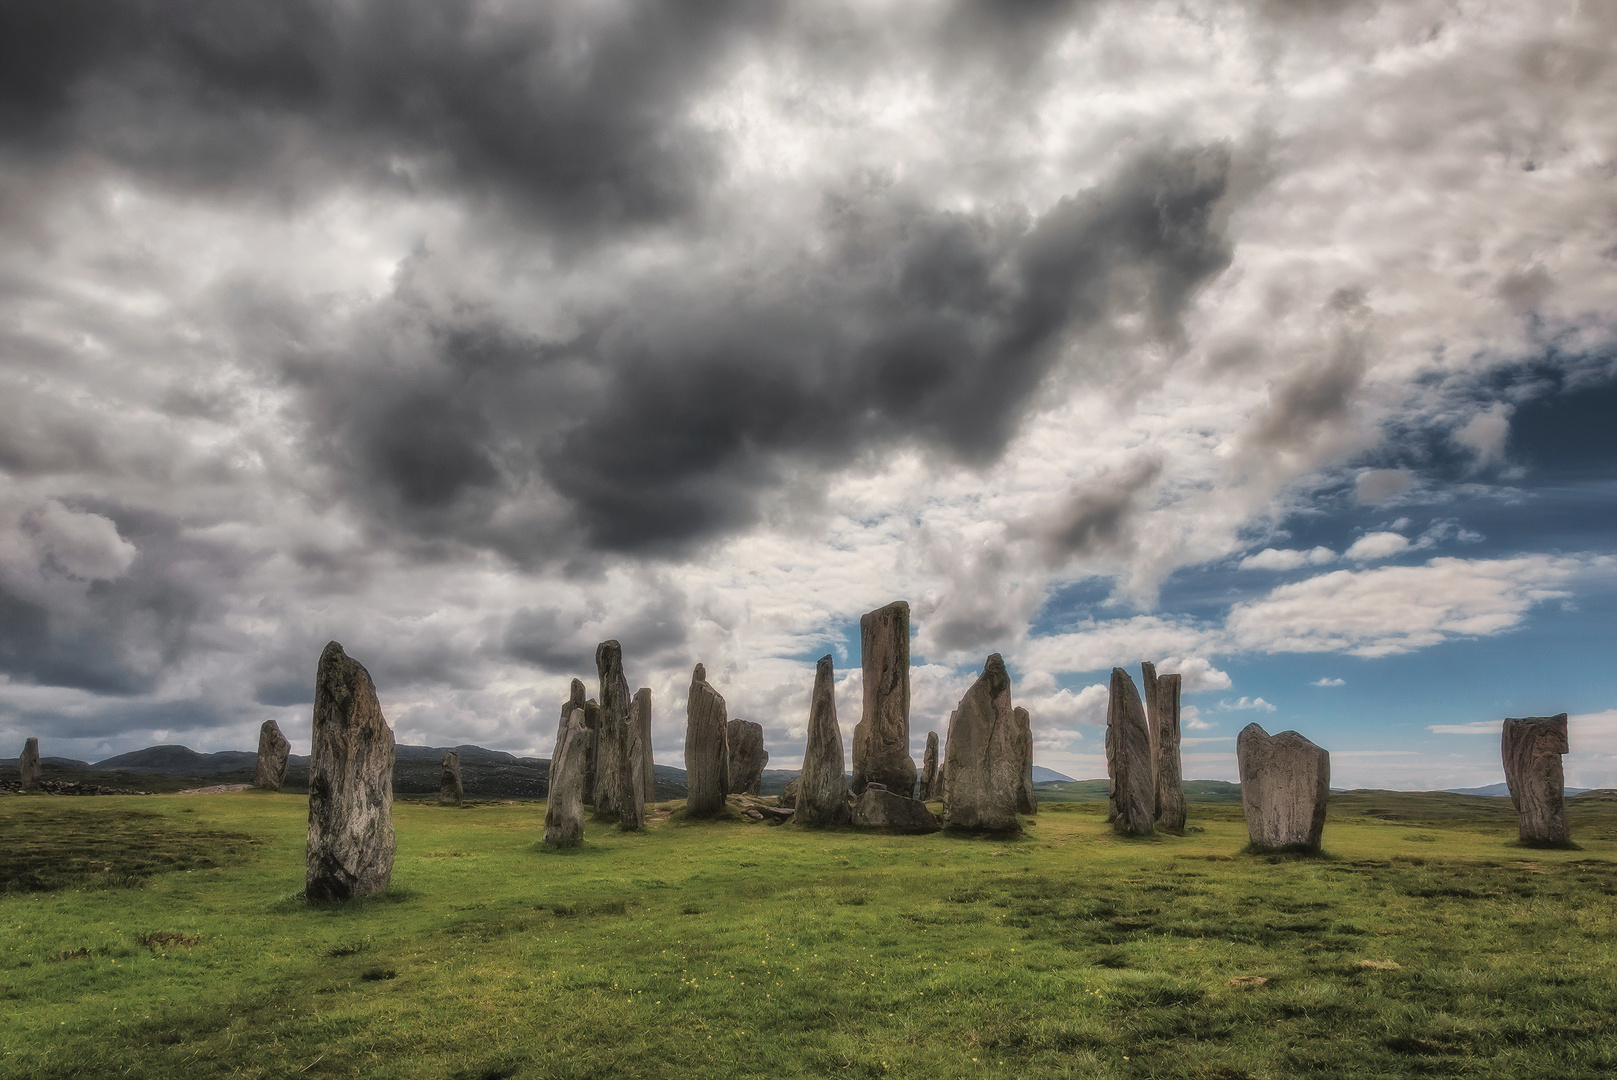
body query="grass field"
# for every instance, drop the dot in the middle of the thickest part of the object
(166, 936)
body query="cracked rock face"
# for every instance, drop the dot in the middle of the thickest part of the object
(614, 787)
(273, 748)
(28, 765)
(1285, 782)
(821, 796)
(1170, 780)
(929, 769)
(640, 713)
(984, 756)
(747, 756)
(350, 849)
(707, 750)
(881, 739)
(1532, 749)
(886, 811)
(1128, 759)
(449, 789)
(564, 805)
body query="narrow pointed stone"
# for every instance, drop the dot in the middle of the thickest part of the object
(881, 739)
(1532, 749)
(1285, 782)
(1026, 801)
(449, 787)
(564, 805)
(822, 787)
(982, 756)
(615, 784)
(707, 751)
(351, 844)
(28, 765)
(270, 771)
(1170, 779)
(641, 711)
(592, 748)
(1128, 758)
(929, 768)
(1148, 696)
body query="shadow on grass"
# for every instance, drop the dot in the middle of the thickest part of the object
(1288, 853)
(296, 902)
(1545, 845)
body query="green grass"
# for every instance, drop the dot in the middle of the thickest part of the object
(1424, 943)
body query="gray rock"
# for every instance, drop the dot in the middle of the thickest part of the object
(1532, 749)
(1148, 695)
(1170, 780)
(640, 710)
(592, 748)
(888, 811)
(788, 797)
(28, 765)
(350, 846)
(941, 788)
(929, 768)
(270, 771)
(1128, 759)
(449, 789)
(1285, 781)
(564, 806)
(707, 750)
(822, 787)
(619, 770)
(1026, 801)
(881, 739)
(982, 756)
(747, 756)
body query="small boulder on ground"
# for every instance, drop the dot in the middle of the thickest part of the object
(885, 811)
(788, 797)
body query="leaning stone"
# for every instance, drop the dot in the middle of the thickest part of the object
(929, 768)
(1026, 801)
(1170, 780)
(640, 711)
(788, 797)
(822, 787)
(350, 846)
(1285, 782)
(1532, 749)
(449, 789)
(28, 765)
(881, 739)
(270, 771)
(620, 771)
(707, 753)
(747, 756)
(564, 806)
(1128, 757)
(887, 811)
(984, 761)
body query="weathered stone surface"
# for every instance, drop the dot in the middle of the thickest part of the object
(1128, 759)
(941, 787)
(788, 797)
(881, 739)
(747, 756)
(350, 846)
(822, 787)
(1170, 781)
(888, 811)
(564, 806)
(929, 768)
(983, 759)
(1285, 781)
(1532, 749)
(28, 765)
(640, 711)
(449, 789)
(1026, 801)
(707, 750)
(619, 770)
(1148, 695)
(270, 771)
(592, 748)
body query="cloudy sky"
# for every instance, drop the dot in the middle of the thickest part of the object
(1273, 342)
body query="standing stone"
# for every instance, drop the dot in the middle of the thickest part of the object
(707, 751)
(350, 847)
(619, 790)
(1285, 781)
(887, 811)
(1532, 749)
(564, 805)
(788, 795)
(929, 768)
(449, 789)
(574, 704)
(592, 748)
(1128, 758)
(270, 772)
(1026, 801)
(1148, 694)
(747, 756)
(640, 710)
(822, 787)
(983, 757)
(881, 739)
(1170, 780)
(941, 788)
(28, 765)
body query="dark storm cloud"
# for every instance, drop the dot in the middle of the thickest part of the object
(1098, 517)
(563, 642)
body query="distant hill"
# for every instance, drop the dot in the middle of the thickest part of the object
(1501, 790)
(165, 760)
(1041, 775)
(1196, 791)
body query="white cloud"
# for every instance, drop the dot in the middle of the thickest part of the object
(1244, 703)
(1327, 681)
(1485, 433)
(1476, 727)
(1196, 673)
(1287, 558)
(1379, 485)
(1123, 643)
(1376, 545)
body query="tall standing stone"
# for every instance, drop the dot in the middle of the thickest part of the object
(1026, 801)
(982, 756)
(350, 847)
(747, 756)
(564, 805)
(929, 769)
(449, 789)
(1128, 758)
(28, 765)
(574, 704)
(618, 769)
(640, 710)
(1170, 779)
(707, 751)
(1285, 782)
(1532, 749)
(270, 771)
(881, 739)
(1148, 694)
(822, 787)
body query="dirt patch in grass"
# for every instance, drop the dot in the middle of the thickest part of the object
(57, 846)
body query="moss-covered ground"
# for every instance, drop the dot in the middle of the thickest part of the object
(166, 936)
